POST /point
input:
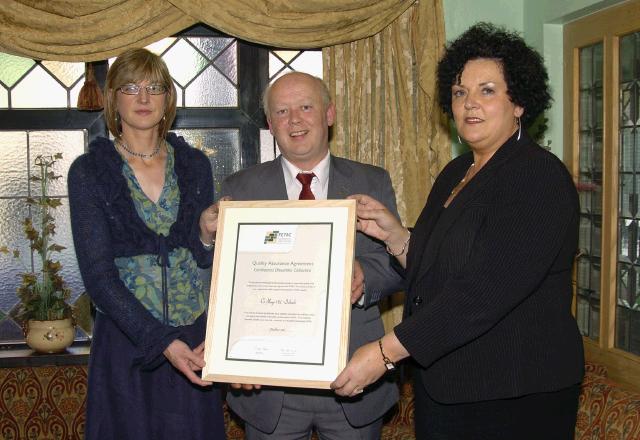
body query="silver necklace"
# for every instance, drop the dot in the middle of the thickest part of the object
(125, 147)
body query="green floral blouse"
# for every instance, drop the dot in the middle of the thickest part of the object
(142, 274)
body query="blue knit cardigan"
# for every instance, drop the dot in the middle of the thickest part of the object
(105, 226)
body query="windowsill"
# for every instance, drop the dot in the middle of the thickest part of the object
(22, 356)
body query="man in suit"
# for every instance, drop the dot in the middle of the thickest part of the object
(299, 113)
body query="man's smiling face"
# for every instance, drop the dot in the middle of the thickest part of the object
(299, 119)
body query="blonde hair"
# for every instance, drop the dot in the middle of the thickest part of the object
(133, 66)
(322, 88)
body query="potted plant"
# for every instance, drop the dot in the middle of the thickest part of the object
(45, 315)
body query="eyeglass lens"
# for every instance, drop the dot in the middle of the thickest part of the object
(134, 89)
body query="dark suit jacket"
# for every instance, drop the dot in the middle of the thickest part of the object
(266, 182)
(488, 306)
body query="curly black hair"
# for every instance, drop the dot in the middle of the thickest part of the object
(522, 67)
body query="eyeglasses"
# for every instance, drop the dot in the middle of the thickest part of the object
(134, 89)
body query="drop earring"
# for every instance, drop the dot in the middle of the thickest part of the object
(459, 140)
(519, 128)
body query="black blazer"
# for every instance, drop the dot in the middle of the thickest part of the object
(488, 306)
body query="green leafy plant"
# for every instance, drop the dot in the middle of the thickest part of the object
(43, 294)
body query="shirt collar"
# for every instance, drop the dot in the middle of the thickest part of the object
(321, 170)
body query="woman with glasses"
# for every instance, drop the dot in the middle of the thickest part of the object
(135, 206)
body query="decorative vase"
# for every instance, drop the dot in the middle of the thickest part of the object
(50, 336)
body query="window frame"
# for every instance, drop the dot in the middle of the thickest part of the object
(247, 117)
(607, 27)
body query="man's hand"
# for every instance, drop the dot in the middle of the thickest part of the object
(209, 222)
(357, 282)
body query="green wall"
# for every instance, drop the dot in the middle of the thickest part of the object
(541, 23)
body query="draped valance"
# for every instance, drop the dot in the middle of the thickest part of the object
(88, 30)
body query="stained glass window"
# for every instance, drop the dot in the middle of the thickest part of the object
(590, 191)
(204, 69)
(628, 267)
(26, 84)
(218, 112)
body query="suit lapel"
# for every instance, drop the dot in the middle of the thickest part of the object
(436, 228)
(272, 183)
(339, 179)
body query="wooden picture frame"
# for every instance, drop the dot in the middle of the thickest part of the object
(279, 306)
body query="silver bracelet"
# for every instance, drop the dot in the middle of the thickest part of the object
(404, 247)
(209, 246)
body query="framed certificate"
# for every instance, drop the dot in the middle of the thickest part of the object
(279, 306)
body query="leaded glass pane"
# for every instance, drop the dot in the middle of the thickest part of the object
(628, 195)
(629, 150)
(227, 63)
(12, 68)
(629, 48)
(629, 103)
(590, 190)
(184, 62)
(39, 90)
(13, 166)
(284, 61)
(275, 65)
(12, 214)
(222, 147)
(597, 63)
(159, 47)
(286, 55)
(628, 329)
(210, 47)
(628, 241)
(67, 73)
(67, 257)
(69, 143)
(42, 84)
(204, 69)
(179, 95)
(309, 62)
(628, 268)
(211, 89)
(267, 146)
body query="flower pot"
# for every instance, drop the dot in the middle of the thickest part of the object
(50, 336)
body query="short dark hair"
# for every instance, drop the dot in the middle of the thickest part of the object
(522, 67)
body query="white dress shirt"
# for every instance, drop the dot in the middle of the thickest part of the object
(319, 188)
(319, 184)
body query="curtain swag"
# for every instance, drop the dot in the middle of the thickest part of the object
(76, 30)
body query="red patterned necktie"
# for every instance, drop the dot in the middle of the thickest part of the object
(305, 179)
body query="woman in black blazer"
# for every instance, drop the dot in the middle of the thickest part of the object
(487, 316)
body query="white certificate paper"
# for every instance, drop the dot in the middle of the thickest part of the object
(279, 306)
(280, 293)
